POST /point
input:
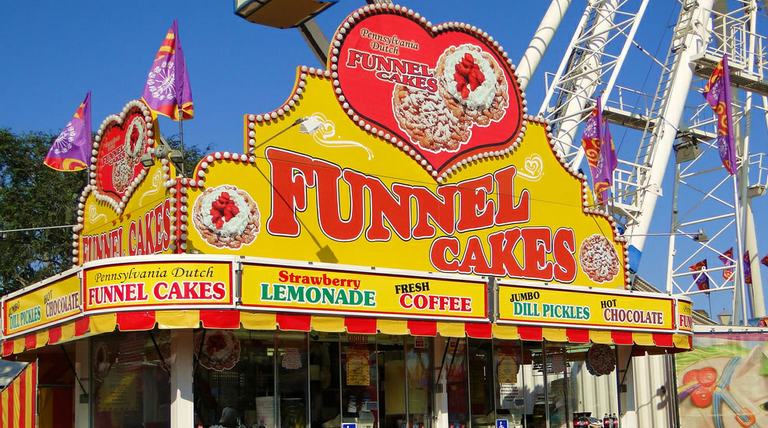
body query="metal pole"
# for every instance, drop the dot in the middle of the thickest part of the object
(316, 40)
(758, 302)
(540, 41)
(181, 135)
(672, 230)
(665, 130)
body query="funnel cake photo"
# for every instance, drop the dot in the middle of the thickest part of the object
(471, 90)
(219, 350)
(226, 217)
(425, 117)
(598, 259)
(472, 84)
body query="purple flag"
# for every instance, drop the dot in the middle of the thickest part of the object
(747, 269)
(167, 90)
(727, 259)
(699, 274)
(718, 95)
(600, 153)
(71, 150)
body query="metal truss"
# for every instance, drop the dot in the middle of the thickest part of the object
(712, 210)
(704, 209)
(592, 61)
(638, 182)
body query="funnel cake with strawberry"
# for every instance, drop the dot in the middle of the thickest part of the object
(472, 84)
(219, 350)
(424, 116)
(226, 217)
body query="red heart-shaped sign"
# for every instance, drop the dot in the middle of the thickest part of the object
(120, 143)
(443, 93)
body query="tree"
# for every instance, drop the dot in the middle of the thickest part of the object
(33, 196)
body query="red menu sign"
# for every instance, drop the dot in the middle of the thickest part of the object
(123, 140)
(452, 93)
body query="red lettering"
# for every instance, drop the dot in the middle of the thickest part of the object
(503, 261)
(219, 290)
(151, 218)
(537, 244)
(166, 232)
(474, 258)
(508, 212)
(437, 208)
(384, 206)
(439, 253)
(475, 210)
(329, 205)
(564, 250)
(291, 174)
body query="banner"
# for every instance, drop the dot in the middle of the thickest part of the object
(684, 315)
(18, 400)
(414, 154)
(584, 308)
(43, 306)
(298, 288)
(723, 382)
(128, 209)
(156, 284)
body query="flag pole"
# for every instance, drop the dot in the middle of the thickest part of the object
(181, 134)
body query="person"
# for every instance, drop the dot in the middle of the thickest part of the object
(229, 418)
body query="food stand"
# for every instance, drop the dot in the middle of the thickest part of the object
(398, 244)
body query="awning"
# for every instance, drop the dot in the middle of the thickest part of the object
(234, 319)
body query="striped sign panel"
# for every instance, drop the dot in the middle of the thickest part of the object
(18, 401)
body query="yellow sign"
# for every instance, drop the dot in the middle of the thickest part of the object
(319, 290)
(154, 284)
(684, 315)
(519, 304)
(42, 306)
(127, 209)
(320, 188)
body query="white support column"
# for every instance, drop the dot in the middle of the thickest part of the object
(758, 300)
(665, 130)
(182, 364)
(659, 400)
(83, 371)
(750, 238)
(540, 41)
(441, 387)
(641, 393)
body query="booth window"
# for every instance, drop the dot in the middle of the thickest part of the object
(234, 378)
(454, 370)
(324, 380)
(481, 386)
(131, 380)
(292, 386)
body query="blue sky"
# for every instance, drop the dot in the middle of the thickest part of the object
(53, 52)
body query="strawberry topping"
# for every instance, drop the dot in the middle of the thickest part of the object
(468, 75)
(223, 209)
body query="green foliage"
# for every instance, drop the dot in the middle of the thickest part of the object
(33, 195)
